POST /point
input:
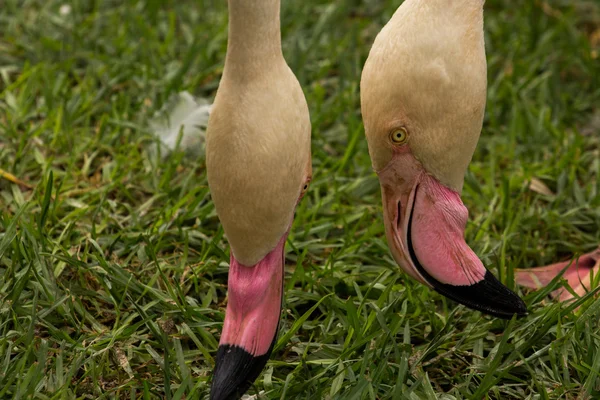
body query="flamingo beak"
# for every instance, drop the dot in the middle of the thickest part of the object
(425, 223)
(578, 274)
(251, 322)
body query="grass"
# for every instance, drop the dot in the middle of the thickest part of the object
(113, 265)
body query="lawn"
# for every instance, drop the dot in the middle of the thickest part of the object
(113, 265)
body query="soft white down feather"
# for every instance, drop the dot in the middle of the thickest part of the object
(185, 114)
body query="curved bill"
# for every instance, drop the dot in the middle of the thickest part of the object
(251, 322)
(425, 223)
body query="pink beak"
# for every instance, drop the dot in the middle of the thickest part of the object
(578, 274)
(425, 223)
(255, 294)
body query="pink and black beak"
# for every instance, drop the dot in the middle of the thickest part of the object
(425, 223)
(255, 296)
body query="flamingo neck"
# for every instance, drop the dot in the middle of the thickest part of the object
(254, 41)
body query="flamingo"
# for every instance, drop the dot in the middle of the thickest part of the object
(423, 95)
(259, 166)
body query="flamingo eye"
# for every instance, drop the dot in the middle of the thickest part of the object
(305, 187)
(399, 136)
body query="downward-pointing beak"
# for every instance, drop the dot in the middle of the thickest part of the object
(251, 321)
(425, 223)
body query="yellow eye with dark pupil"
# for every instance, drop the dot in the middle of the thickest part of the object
(399, 136)
(305, 187)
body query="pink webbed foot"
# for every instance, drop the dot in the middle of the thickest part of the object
(578, 274)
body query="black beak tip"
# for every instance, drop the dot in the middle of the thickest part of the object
(500, 300)
(513, 305)
(520, 306)
(235, 371)
(489, 296)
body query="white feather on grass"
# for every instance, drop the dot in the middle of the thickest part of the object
(182, 114)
